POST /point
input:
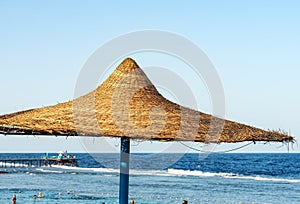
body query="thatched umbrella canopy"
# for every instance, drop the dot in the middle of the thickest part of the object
(128, 105)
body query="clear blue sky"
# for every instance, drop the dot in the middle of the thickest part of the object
(254, 46)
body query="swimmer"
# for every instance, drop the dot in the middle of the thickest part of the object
(34, 197)
(14, 199)
(40, 195)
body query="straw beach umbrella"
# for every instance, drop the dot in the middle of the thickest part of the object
(127, 105)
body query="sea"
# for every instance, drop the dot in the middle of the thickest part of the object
(217, 178)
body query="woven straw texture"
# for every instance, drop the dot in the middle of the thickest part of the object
(128, 105)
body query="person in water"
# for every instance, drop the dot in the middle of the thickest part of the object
(132, 202)
(14, 199)
(40, 195)
(34, 197)
(184, 202)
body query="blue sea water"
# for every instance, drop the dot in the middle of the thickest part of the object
(159, 178)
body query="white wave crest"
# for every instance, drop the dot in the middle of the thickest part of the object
(179, 172)
(169, 172)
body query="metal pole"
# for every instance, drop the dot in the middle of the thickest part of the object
(124, 171)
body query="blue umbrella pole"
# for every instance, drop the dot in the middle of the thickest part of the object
(124, 171)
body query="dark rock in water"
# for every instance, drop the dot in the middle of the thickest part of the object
(85, 196)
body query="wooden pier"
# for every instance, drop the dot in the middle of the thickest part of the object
(37, 162)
